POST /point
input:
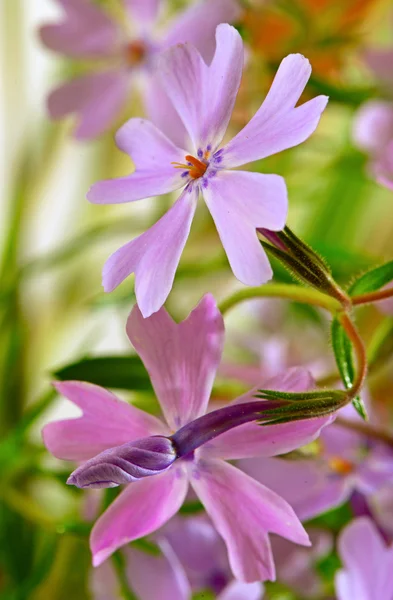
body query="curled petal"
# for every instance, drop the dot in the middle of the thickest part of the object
(126, 463)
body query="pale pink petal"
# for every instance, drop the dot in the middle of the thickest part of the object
(85, 31)
(224, 490)
(160, 577)
(95, 99)
(204, 96)
(143, 12)
(306, 484)
(197, 25)
(106, 422)
(182, 359)
(368, 563)
(162, 113)
(140, 509)
(237, 590)
(153, 154)
(380, 62)
(373, 126)
(104, 583)
(154, 255)
(239, 202)
(278, 125)
(253, 440)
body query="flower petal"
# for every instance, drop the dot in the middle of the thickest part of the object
(181, 358)
(169, 581)
(237, 590)
(223, 489)
(85, 31)
(143, 12)
(252, 440)
(373, 125)
(240, 202)
(380, 61)
(162, 113)
(278, 125)
(154, 255)
(197, 25)
(140, 509)
(204, 96)
(307, 485)
(96, 100)
(153, 154)
(106, 422)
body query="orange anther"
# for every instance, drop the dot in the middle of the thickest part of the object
(341, 465)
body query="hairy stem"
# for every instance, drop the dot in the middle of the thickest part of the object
(372, 296)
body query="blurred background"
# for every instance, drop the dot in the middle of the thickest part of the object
(53, 244)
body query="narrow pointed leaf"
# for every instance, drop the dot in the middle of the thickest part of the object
(373, 280)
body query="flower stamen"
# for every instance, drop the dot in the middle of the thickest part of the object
(341, 465)
(195, 167)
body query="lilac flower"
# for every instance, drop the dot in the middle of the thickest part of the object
(368, 563)
(88, 32)
(238, 201)
(348, 463)
(373, 124)
(182, 360)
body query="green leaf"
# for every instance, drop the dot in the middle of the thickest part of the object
(373, 280)
(342, 349)
(118, 372)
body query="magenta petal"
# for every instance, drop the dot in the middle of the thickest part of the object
(240, 202)
(278, 125)
(153, 154)
(223, 489)
(368, 563)
(197, 25)
(143, 12)
(96, 100)
(140, 509)
(252, 440)
(182, 359)
(106, 422)
(153, 256)
(237, 590)
(160, 577)
(204, 96)
(373, 125)
(85, 31)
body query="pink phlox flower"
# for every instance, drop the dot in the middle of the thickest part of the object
(182, 360)
(367, 562)
(348, 462)
(238, 201)
(373, 123)
(124, 58)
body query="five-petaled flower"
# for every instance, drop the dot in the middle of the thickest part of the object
(238, 201)
(182, 360)
(125, 57)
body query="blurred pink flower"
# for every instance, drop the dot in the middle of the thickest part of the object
(238, 201)
(88, 32)
(368, 563)
(182, 360)
(348, 463)
(373, 124)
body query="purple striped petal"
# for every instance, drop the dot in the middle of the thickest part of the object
(154, 255)
(240, 202)
(84, 31)
(278, 125)
(182, 359)
(153, 154)
(140, 509)
(96, 100)
(106, 422)
(223, 489)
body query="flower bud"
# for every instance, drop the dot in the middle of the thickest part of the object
(126, 463)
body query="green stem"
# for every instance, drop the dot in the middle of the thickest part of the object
(282, 290)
